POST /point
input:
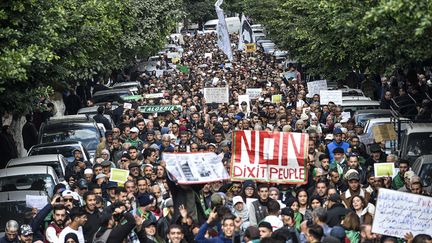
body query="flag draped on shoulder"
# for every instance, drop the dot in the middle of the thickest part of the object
(222, 31)
(246, 34)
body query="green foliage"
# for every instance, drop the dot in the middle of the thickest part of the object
(334, 37)
(55, 41)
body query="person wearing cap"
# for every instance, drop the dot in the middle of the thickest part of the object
(339, 160)
(336, 143)
(150, 138)
(354, 188)
(134, 139)
(148, 232)
(376, 156)
(111, 192)
(265, 229)
(82, 188)
(416, 186)
(25, 234)
(145, 203)
(336, 211)
(353, 163)
(88, 175)
(240, 210)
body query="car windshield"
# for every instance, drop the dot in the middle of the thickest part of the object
(66, 151)
(12, 210)
(419, 144)
(362, 118)
(426, 174)
(37, 182)
(88, 136)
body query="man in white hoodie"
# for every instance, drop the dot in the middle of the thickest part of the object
(240, 210)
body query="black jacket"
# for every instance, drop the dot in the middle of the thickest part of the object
(335, 214)
(99, 118)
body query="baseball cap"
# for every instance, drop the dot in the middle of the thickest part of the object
(375, 148)
(25, 230)
(106, 163)
(145, 199)
(100, 176)
(133, 165)
(237, 199)
(334, 197)
(88, 171)
(337, 131)
(82, 183)
(112, 184)
(134, 130)
(352, 175)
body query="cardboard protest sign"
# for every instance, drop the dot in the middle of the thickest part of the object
(158, 108)
(276, 99)
(195, 168)
(254, 93)
(119, 175)
(330, 95)
(384, 132)
(127, 105)
(278, 157)
(36, 201)
(398, 213)
(314, 87)
(251, 47)
(384, 169)
(216, 95)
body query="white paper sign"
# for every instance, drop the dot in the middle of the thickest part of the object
(209, 55)
(172, 55)
(254, 93)
(398, 213)
(314, 87)
(36, 201)
(346, 114)
(246, 99)
(216, 95)
(195, 168)
(159, 73)
(127, 105)
(330, 95)
(154, 96)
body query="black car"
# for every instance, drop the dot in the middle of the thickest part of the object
(72, 128)
(112, 95)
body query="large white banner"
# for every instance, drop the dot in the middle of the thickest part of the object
(330, 95)
(222, 32)
(314, 87)
(216, 95)
(398, 213)
(195, 168)
(246, 34)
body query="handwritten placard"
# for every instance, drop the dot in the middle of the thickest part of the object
(36, 201)
(254, 93)
(384, 132)
(314, 87)
(398, 213)
(330, 95)
(216, 95)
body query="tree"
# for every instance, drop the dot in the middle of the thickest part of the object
(58, 42)
(335, 37)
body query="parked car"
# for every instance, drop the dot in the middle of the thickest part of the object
(112, 95)
(423, 168)
(35, 177)
(361, 116)
(123, 85)
(13, 205)
(92, 111)
(416, 141)
(371, 123)
(64, 148)
(355, 105)
(56, 161)
(72, 128)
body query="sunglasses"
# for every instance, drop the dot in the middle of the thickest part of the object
(68, 199)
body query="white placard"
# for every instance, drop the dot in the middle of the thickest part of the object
(154, 96)
(208, 54)
(195, 168)
(346, 114)
(216, 95)
(246, 99)
(398, 213)
(172, 55)
(127, 105)
(254, 93)
(159, 73)
(36, 201)
(314, 87)
(330, 95)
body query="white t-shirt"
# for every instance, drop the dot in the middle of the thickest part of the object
(68, 230)
(275, 222)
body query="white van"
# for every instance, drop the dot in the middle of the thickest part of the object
(233, 25)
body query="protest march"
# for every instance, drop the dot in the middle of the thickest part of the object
(225, 144)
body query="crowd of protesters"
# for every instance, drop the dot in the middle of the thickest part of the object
(336, 204)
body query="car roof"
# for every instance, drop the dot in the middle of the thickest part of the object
(57, 144)
(426, 158)
(88, 110)
(33, 169)
(386, 119)
(360, 102)
(81, 118)
(111, 91)
(35, 159)
(16, 196)
(419, 128)
(373, 111)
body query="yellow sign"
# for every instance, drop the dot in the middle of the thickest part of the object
(276, 99)
(118, 175)
(250, 47)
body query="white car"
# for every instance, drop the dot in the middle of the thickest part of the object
(56, 161)
(35, 178)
